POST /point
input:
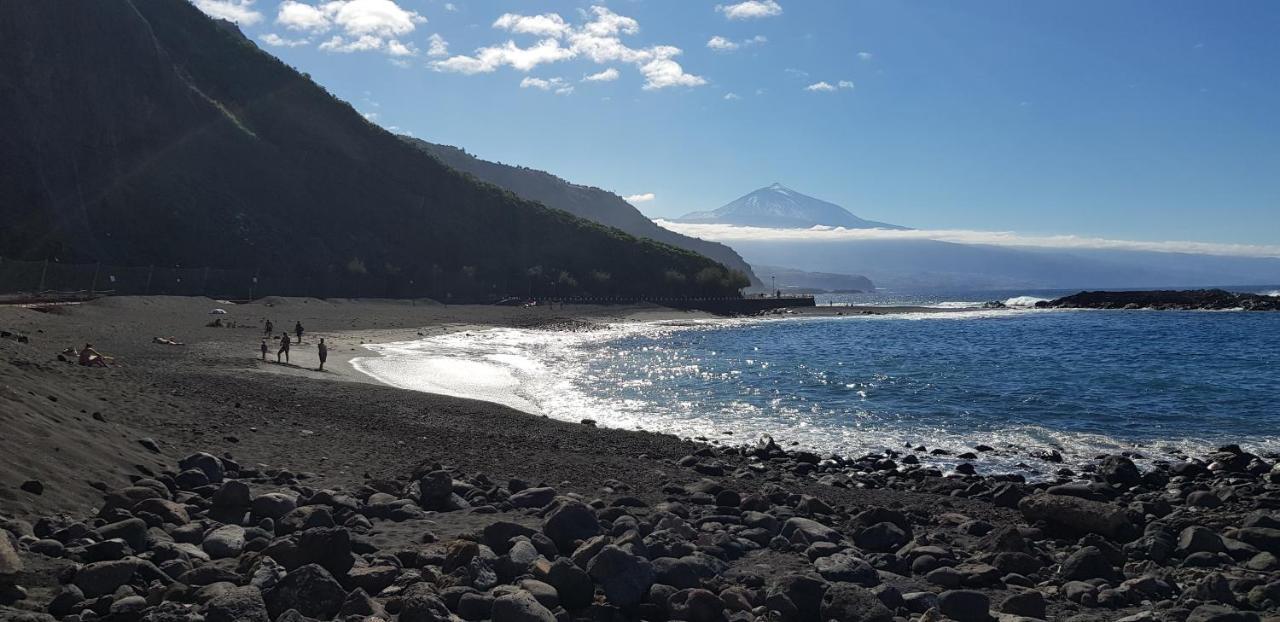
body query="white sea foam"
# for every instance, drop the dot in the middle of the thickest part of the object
(1272, 292)
(1022, 302)
(550, 373)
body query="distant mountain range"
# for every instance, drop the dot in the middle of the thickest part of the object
(586, 202)
(142, 132)
(780, 207)
(790, 280)
(934, 265)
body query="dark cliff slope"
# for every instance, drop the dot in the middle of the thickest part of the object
(587, 202)
(142, 132)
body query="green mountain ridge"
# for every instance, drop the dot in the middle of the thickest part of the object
(141, 132)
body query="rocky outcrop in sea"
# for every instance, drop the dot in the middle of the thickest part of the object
(1167, 300)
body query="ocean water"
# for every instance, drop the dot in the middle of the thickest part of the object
(1081, 382)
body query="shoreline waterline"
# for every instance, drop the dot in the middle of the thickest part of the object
(553, 374)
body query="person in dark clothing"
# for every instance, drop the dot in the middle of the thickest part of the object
(284, 348)
(268, 329)
(297, 328)
(264, 348)
(323, 351)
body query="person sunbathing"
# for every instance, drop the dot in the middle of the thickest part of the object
(92, 358)
(168, 341)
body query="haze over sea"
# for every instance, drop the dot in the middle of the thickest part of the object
(1080, 382)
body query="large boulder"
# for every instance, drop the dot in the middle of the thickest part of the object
(237, 604)
(520, 606)
(1073, 515)
(225, 541)
(569, 522)
(853, 603)
(845, 568)
(1086, 564)
(626, 578)
(804, 592)
(807, 531)
(310, 590)
(212, 467)
(420, 603)
(533, 498)
(132, 530)
(965, 606)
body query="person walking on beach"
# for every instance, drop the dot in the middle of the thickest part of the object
(284, 348)
(264, 348)
(268, 329)
(297, 328)
(323, 351)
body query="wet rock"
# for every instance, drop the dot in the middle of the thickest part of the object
(1119, 471)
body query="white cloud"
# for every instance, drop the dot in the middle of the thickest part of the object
(450, 7)
(608, 75)
(732, 96)
(274, 40)
(731, 233)
(489, 59)
(545, 25)
(597, 39)
(437, 46)
(644, 197)
(751, 9)
(845, 84)
(820, 87)
(558, 85)
(721, 44)
(864, 56)
(238, 11)
(299, 16)
(364, 24)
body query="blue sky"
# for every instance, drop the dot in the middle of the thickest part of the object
(1133, 120)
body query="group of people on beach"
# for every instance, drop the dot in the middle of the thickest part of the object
(286, 342)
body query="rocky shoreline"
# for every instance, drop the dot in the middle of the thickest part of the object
(1168, 300)
(732, 534)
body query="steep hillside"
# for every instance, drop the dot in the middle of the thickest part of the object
(587, 202)
(142, 132)
(778, 206)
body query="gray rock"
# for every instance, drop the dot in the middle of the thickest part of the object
(520, 606)
(807, 531)
(1220, 613)
(10, 563)
(570, 521)
(544, 592)
(237, 604)
(232, 494)
(128, 607)
(1073, 515)
(533, 498)
(305, 517)
(311, 590)
(881, 537)
(843, 567)
(572, 583)
(853, 603)
(945, 576)
(225, 541)
(804, 592)
(420, 603)
(1264, 538)
(1085, 564)
(475, 606)
(1028, 604)
(273, 505)
(133, 531)
(210, 465)
(696, 605)
(101, 578)
(625, 577)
